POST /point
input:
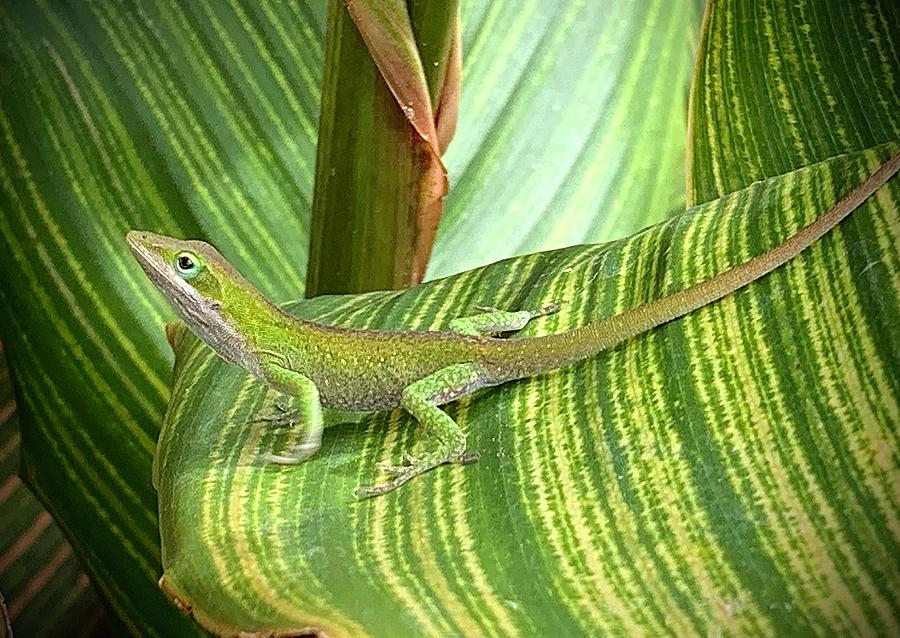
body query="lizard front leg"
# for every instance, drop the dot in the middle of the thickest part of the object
(297, 385)
(446, 442)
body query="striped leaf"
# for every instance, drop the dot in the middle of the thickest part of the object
(780, 85)
(196, 119)
(199, 119)
(733, 471)
(571, 125)
(46, 591)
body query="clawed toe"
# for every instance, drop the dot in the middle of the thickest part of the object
(549, 309)
(278, 418)
(280, 414)
(487, 309)
(468, 457)
(387, 468)
(412, 468)
(409, 461)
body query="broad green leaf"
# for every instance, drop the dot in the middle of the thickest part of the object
(731, 472)
(192, 119)
(780, 85)
(199, 120)
(571, 125)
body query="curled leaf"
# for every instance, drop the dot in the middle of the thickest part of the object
(388, 33)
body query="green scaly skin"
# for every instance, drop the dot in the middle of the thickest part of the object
(417, 370)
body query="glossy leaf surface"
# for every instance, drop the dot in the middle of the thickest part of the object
(730, 471)
(780, 85)
(571, 126)
(178, 118)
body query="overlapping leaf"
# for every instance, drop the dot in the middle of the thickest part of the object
(571, 126)
(181, 118)
(388, 30)
(379, 175)
(780, 85)
(196, 120)
(200, 120)
(729, 472)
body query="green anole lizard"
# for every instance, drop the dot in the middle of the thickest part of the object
(364, 370)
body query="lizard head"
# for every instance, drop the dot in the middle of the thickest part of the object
(205, 290)
(189, 273)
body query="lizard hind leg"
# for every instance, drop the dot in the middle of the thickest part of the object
(491, 321)
(445, 442)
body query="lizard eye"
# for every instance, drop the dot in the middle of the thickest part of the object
(186, 265)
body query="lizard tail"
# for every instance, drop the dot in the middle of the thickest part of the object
(532, 356)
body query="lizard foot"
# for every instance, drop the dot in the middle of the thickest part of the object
(281, 415)
(298, 454)
(549, 309)
(412, 468)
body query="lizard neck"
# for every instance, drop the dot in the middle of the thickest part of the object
(235, 323)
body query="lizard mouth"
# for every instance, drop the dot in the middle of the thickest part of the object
(142, 245)
(140, 242)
